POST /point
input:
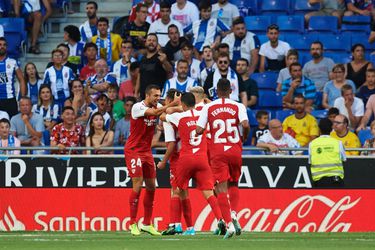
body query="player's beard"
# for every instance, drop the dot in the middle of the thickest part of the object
(3, 52)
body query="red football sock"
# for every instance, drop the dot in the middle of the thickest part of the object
(186, 208)
(234, 197)
(215, 207)
(133, 202)
(222, 198)
(148, 204)
(175, 210)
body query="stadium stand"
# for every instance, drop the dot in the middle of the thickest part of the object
(301, 7)
(363, 135)
(266, 80)
(323, 24)
(14, 31)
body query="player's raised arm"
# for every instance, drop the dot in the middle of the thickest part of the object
(161, 110)
(202, 121)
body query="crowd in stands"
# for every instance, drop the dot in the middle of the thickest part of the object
(95, 76)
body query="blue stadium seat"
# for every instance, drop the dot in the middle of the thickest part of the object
(248, 7)
(14, 31)
(339, 57)
(252, 119)
(269, 99)
(301, 7)
(253, 152)
(372, 59)
(266, 80)
(258, 24)
(282, 114)
(327, 24)
(304, 57)
(275, 7)
(319, 114)
(363, 135)
(356, 24)
(335, 42)
(291, 23)
(363, 39)
(301, 41)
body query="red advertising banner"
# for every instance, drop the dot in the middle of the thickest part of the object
(107, 209)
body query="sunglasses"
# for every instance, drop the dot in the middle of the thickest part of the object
(223, 62)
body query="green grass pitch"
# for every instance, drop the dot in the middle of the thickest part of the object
(124, 241)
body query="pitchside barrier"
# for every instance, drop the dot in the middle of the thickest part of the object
(90, 192)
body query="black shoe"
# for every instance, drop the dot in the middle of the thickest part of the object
(171, 230)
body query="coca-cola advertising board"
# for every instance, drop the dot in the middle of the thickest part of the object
(107, 209)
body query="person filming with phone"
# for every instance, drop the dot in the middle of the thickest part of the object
(297, 84)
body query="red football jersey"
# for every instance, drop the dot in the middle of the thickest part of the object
(171, 135)
(142, 128)
(224, 117)
(186, 123)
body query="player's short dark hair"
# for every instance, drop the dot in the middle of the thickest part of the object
(223, 85)
(102, 20)
(130, 99)
(333, 111)
(73, 32)
(204, 5)
(5, 120)
(93, 3)
(151, 87)
(67, 108)
(244, 60)
(261, 113)
(188, 99)
(90, 45)
(171, 92)
(325, 126)
(294, 64)
(165, 5)
(238, 20)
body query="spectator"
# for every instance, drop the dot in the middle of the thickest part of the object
(370, 111)
(182, 82)
(295, 85)
(185, 12)
(1, 31)
(9, 69)
(173, 46)
(224, 71)
(301, 125)
(327, 8)
(223, 48)
(199, 95)
(73, 38)
(359, 7)
(154, 67)
(350, 106)
(277, 139)
(272, 53)
(108, 43)
(152, 12)
(160, 26)
(368, 88)
(118, 111)
(102, 103)
(243, 44)
(127, 87)
(332, 89)
(225, 12)
(90, 51)
(207, 64)
(58, 77)
(80, 102)
(121, 67)
(369, 143)
(46, 10)
(356, 69)
(4, 114)
(209, 35)
(26, 126)
(46, 107)
(67, 133)
(122, 129)
(89, 29)
(194, 64)
(33, 82)
(250, 85)
(7, 139)
(99, 136)
(332, 113)
(342, 133)
(318, 69)
(136, 31)
(98, 83)
(284, 74)
(262, 117)
(64, 48)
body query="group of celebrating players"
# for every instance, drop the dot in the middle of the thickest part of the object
(204, 142)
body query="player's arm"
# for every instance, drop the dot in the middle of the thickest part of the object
(202, 121)
(170, 140)
(244, 121)
(21, 81)
(246, 129)
(158, 111)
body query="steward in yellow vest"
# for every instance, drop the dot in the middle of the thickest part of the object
(326, 155)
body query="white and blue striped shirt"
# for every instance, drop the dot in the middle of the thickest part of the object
(59, 80)
(8, 68)
(173, 83)
(121, 71)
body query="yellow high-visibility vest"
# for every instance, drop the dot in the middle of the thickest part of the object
(325, 158)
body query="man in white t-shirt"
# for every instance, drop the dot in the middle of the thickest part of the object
(273, 53)
(350, 106)
(276, 139)
(185, 12)
(160, 26)
(225, 11)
